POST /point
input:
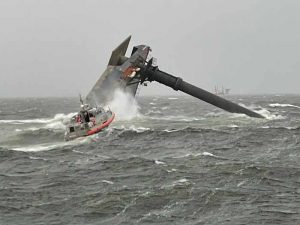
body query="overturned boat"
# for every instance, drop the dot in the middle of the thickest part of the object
(140, 68)
(88, 121)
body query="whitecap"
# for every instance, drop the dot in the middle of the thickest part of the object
(32, 157)
(238, 115)
(55, 126)
(170, 131)
(36, 148)
(203, 154)
(233, 126)
(172, 170)
(279, 127)
(215, 114)
(241, 183)
(292, 128)
(28, 129)
(159, 162)
(178, 118)
(133, 128)
(55, 123)
(153, 111)
(283, 105)
(172, 98)
(196, 155)
(139, 129)
(107, 182)
(208, 154)
(47, 146)
(80, 152)
(37, 158)
(57, 117)
(24, 121)
(182, 181)
(268, 115)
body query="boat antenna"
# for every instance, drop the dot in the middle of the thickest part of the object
(80, 99)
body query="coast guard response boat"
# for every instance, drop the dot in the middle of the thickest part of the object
(88, 121)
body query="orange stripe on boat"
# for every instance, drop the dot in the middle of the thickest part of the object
(103, 125)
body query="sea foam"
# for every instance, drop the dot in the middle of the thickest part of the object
(283, 105)
(124, 106)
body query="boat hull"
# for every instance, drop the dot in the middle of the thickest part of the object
(100, 127)
(78, 129)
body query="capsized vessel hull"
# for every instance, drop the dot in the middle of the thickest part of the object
(126, 73)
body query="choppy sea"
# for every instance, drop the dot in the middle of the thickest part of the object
(164, 160)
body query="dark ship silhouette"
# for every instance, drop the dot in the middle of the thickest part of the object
(127, 73)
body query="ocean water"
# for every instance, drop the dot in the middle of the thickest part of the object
(164, 160)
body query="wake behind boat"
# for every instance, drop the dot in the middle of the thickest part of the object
(88, 121)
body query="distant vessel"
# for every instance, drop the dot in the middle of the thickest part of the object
(222, 91)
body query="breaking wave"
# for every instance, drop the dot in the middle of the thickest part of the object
(124, 106)
(280, 127)
(51, 146)
(134, 131)
(262, 111)
(176, 118)
(268, 115)
(58, 117)
(132, 128)
(283, 105)
(37, 148)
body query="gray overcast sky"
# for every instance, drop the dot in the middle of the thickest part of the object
(60, 47)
